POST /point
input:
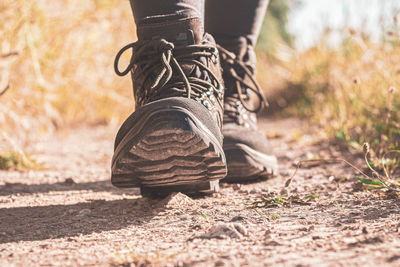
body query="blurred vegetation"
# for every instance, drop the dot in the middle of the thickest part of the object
(352, 93)
(56, 65)
(17, 160)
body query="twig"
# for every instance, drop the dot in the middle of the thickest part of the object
(335, 160)
(322, 161)
(314, 162)
(5, 90)
(10, 54)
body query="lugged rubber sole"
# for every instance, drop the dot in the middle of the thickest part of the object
(248, 165)
(170, 152)
(197, 187)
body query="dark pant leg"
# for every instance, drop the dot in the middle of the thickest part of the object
(166, 9)
(235, 22)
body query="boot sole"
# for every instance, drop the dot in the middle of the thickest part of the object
(169, 151)
(248, 165)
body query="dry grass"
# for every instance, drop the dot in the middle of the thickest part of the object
(56, 58)
(351, 92)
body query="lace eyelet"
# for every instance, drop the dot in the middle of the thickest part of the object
(253, 117)
(207, 104)
(214, 55)
(212, 99)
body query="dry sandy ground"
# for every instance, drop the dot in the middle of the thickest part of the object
(69, 214)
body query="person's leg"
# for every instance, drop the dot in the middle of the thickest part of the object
(166, 18)
(144, 9)
(240, 23)
(248, 153)
(173, 140)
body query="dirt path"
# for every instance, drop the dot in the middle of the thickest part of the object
(71, 215)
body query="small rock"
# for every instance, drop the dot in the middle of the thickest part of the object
(254, 191)
(347, 220)
(272, 243)
(393, 258)
(267, 232)
(84, 212)
(69, 181)
(220, 263)
(236, 187)
(372, 240)
(237, 219)
(265, 190)
(284, 173)
(284, 192)
(364, 230)
(357, 187)
(175, 201)
(224, 230)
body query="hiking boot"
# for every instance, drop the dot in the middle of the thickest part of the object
(248, 153)
(173, 140)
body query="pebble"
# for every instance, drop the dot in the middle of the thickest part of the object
(225, 230)
(84, 212)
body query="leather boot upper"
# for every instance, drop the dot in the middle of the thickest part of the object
(175, 59)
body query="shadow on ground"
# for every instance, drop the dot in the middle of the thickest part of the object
(67, 185)
(58, 221)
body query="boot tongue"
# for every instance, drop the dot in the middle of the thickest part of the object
(180, 32)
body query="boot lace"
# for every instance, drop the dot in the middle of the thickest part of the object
(237, 103)
(156, 62)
